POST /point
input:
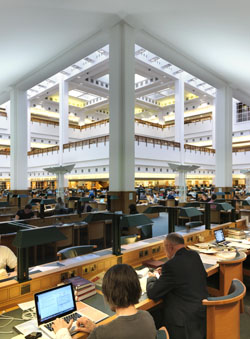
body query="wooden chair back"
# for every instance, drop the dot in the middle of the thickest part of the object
(97, 230)
(223, 313)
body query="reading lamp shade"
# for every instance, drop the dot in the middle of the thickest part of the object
(32, 237)
(189, 212)
(37, 236)
(155, 209)
(48, 201)
(96, 216)
(224, 206)
(134, 220)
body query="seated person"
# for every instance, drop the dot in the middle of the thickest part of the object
(122, 290)
(26, 213)
(212, 200)
(182, 285)
(204, 197)
(8, 260)
(171, 195)
(60, 207)
(132, 209)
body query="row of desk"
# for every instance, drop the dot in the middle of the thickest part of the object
(49, 275)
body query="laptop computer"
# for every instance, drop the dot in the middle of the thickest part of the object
(220, 237)
(58, 302)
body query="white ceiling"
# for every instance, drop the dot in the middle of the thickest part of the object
(214, 34)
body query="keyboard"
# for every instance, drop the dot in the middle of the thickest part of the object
(67, 318)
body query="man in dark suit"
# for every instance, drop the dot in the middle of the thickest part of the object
(182, 286)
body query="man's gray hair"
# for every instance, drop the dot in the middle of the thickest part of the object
(175, 239)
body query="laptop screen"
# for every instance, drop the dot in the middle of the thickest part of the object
(54, 303)
(219, 236)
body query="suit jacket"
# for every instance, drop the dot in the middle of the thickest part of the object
(182, 286)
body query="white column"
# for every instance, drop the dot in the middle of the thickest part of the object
(179, 116)
(213, 125)
(28, 126)
(8, 116)
(64, 116)
(122, 102)
(18, 132)
(223, 137)
(247, 182)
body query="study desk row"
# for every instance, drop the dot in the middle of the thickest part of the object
(49, 275)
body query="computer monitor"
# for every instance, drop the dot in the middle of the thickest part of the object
(219, 236)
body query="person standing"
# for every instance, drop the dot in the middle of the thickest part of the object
(182, 285)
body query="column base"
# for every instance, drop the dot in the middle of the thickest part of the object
(123, 201)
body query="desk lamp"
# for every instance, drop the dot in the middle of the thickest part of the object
(140, 221)
(19, 197)
(118, 221)
(45, 202)
(32, 237)
(79, 204)
(116, 232)
(171, 214)
(109, 198)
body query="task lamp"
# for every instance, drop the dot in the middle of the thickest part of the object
(45, 202)
(171, 214)
(32, 237)
(109, 198)
(140, 221)
(79, 204)
(225, 206)
(190, 212)
(19, 197)
(116, 232)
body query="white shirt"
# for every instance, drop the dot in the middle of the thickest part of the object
(63, 333)
(7, 257)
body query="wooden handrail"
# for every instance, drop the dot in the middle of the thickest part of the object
(44, 150)
(241, 149)
(86, 142)
(154, 141)
(5, 151)
(199, 148)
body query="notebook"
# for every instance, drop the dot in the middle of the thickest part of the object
(219, 237)
(58, 302)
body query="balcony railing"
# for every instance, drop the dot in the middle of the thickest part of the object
(155, 141)
(44, 150)
(86, 142)
(5, 151)
(199, 149)
(241, 149)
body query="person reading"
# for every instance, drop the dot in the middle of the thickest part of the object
(182, 286)
(8, 261)
(26, 213)
(122, 290)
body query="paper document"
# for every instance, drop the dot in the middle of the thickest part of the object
(27, 305)
(28, 327)
(208, 259)
(91, 312)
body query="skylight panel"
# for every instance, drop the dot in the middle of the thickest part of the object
(139, 78)
(75, 93)
(87, 97)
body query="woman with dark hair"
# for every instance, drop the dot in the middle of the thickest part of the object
(122, 290)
